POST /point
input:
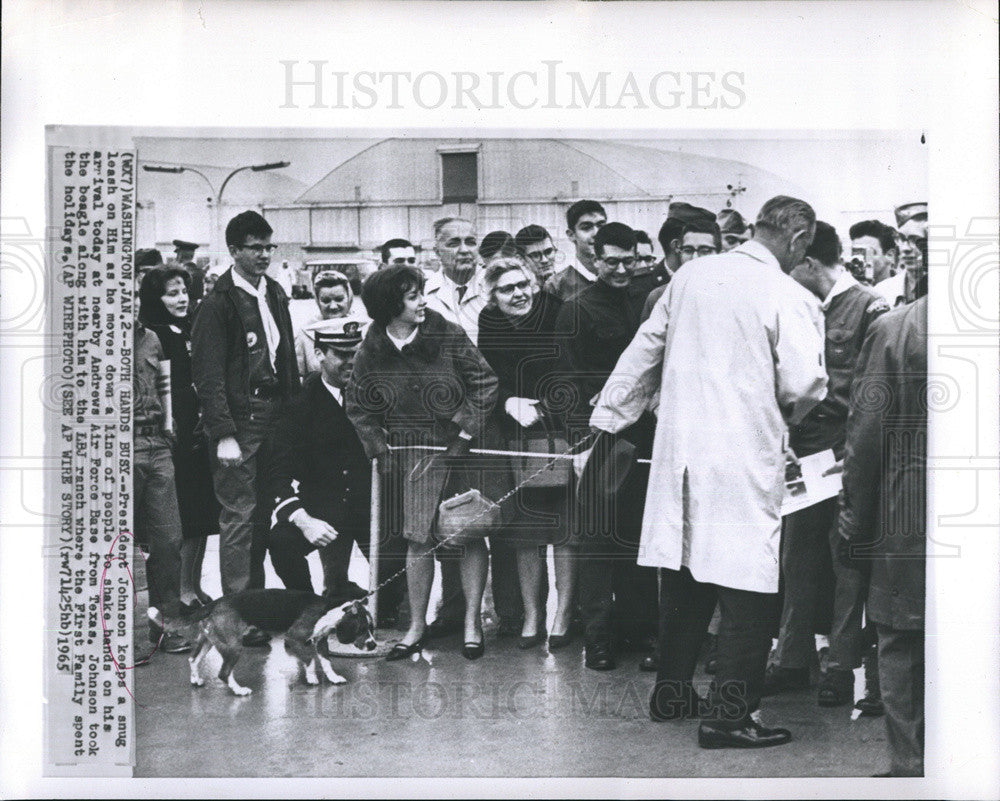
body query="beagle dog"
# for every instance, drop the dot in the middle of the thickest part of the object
(305, 620)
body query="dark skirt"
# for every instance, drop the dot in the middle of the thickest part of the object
(199, 507)
(540, 516)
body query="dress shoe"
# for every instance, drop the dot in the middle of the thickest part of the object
(648, 663)
(871, 705)
(402, 650)
(189, 609)
(749, 735)
(780, 680)
(255, 638)
(174, 644)
(598, 657)
(442, 628)
(557, 641)
(524, 643)
(836, 688)
(473, 650)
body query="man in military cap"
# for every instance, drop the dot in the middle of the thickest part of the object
(184, 256)
(903, 287)
(146, 259)
(734, 229)
(688, 233)
(319, 479)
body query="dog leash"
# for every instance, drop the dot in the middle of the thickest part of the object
(552, 459)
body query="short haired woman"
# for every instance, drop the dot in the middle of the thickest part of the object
(516, 337)
(418, 380)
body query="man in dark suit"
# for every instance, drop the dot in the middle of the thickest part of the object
(883, 515)
(315, 446)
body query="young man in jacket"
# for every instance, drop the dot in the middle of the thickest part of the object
(243, 367)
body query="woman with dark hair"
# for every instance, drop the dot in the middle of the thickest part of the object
(516, 337)
(419, 380)
(164, 308)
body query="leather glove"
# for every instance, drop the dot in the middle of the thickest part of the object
(458, 449)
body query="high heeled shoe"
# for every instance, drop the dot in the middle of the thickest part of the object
(402, 650)
(473, 650)
(531, 640)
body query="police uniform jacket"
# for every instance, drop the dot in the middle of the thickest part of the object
(848, 310)
(885, 465)
(230, 363)
(315, 445)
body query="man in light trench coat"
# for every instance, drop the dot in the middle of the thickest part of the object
(735, 347)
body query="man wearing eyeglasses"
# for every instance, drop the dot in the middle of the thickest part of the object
(398, 253)
(243, 367)
(911, 220)
(537, 244)
(617, 598)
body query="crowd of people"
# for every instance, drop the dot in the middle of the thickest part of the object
(638, 413)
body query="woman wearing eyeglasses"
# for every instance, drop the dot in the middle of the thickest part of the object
(516, 337)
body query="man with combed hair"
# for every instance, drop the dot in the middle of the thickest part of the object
(244, 369)
(874, 243)
(617, 598)
(456, 291)
(396, 253)
(536, 242)
(583, 220)
(733, 367)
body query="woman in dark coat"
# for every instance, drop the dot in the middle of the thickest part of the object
(419, 380)
(516, 337)
(164, 306)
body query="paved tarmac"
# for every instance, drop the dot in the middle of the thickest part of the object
(511, 713)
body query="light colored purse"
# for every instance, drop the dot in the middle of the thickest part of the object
(466, 517)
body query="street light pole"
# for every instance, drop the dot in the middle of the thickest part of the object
(216, 198)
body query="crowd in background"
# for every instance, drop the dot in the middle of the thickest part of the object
(684, 382)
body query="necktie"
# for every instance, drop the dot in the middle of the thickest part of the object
(461, 291)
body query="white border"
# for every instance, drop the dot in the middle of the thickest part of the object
(815, 65)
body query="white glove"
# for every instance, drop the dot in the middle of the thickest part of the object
(580, 461)
(524, 410)
(318, 532)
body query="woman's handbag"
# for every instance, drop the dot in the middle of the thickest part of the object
(466, 517)
(532, 471)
